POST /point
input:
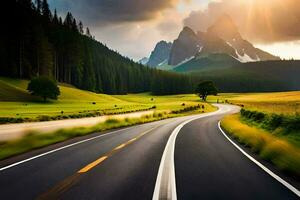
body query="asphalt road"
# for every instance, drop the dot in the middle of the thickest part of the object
(125, 164)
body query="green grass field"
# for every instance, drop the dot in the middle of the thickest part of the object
(274, 135)
(287, 103)
(278, 150)
(16, 102)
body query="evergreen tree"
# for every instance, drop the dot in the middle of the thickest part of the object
(40, 46)
(80, 28)
(27, 4)
(87, 32)
(38, 4)
(55, 17)
(60, 21)
(69, 20)
(45, 10)
(74, 26)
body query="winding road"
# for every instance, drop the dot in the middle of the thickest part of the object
(180, 158)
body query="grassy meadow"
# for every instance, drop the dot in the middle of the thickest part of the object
(17, 103)
(277, 150)
(287, 103)
(269, 125)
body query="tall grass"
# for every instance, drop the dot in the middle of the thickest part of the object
(35, 140)
(278, 151)
(283, 126)
(273, 121)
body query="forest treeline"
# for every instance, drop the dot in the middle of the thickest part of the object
(38, 42)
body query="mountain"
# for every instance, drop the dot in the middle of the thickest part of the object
(222, 37)
(244, 51)
(186, 46)
(144, 61)
(160, 54)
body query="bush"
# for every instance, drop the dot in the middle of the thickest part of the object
(44, 118)
(292, 123)
(272, 121)
(44, 87)
(253, 115)
(275, 121)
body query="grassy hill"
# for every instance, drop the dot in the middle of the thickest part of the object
(9, 92)
(16, 102)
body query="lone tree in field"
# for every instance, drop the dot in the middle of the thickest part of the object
(206, 88)
(44, 87)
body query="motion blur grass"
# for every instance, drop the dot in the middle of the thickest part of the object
(268, 124)
(35, 140)
(277, 150)
(17, 103)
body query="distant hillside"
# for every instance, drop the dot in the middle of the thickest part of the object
(9, 92)
(255, 77)
(205, 63)
(160, 54)
(36, 42)
(15, 90)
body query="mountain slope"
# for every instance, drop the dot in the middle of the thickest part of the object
(160, 54)
(209, 62)
(225, 29)
(144, 61)
(186, 46)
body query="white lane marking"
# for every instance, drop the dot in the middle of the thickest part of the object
(279, 179)
(165, 186)
(64, 147)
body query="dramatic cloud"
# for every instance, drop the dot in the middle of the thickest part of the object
(132, 27)
(114, 11)
(261, 21)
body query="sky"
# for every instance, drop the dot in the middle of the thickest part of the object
(133, 27)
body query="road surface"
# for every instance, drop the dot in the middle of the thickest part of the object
(143, 162)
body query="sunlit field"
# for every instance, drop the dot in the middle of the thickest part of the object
(165, 103)
(277, 150)
(16, 102)
(271, 129)
(278, 102)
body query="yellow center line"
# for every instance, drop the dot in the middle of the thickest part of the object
(120, 147)
(93, 164)
(115, 150)
(60, 188)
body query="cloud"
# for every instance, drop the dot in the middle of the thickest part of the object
(105, 12)
(137, 40)
(260, 21)
(132, 27)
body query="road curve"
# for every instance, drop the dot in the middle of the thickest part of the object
(208, 166)
(125, 164)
